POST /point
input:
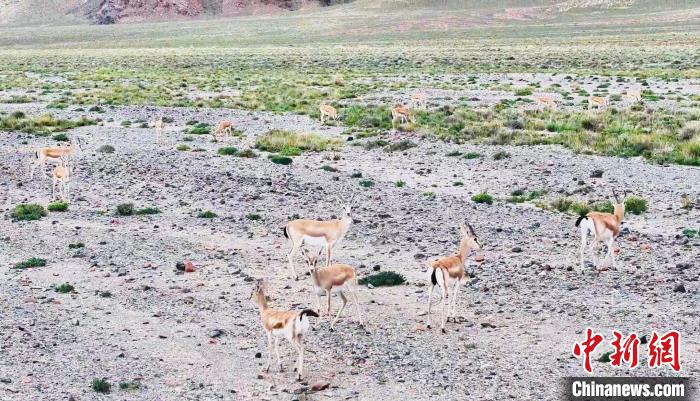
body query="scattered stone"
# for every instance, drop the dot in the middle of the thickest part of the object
(189, 267)
(320, 385)
(679, 288)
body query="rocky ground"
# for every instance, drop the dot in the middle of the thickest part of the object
(196, 336)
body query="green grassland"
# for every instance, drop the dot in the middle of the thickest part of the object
(294, 62)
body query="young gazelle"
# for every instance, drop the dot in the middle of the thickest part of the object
(54, 154)
(449, 270)
(597, 101)
(288, 324)
(402, 115)
(328, 111)
(335, 278)
(317, 232)
(546, 102)
(604, 227)
(62, 175)
(159, 125)
(418, 100)
(222, 129)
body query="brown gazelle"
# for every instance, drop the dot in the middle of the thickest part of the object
(326, 233)
(62, 176)
(159, 125)
(277, 324)
(546, 102)
(54, 154)
(335, 278)
(449, 271)
(328, 111)
(418, 100)
(402, 115)
(633, 95)
(597, 101)
(222, 129)
(605, 227)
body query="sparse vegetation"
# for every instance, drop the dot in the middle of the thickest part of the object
(482, 197)
(278, 140)
(227, 151)
(253, 216)
(45, 124)
(366, 183)
(635, 205)
(58, 206)
(101, 386)
(28, 212)
(125, 209)
(64, 288)
(277, 159)
(106, 149)
(383, 279)
(147, 210)
(208, 214)
(31, 262)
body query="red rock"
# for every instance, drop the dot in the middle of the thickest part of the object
(420, 328)
(645, 247)
(616, 251)
(479, 258)
(189, 267)
(320, 385)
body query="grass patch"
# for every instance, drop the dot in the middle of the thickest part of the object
(366, 183)
(227, 151)
(635, 205)
(248, 153)
(283, 160)
(328, 168)
(501, 155)
(400, 184)
(197, 129)
(147, 210)
(106, 149)
(133, 385)
(383, 279)
(207, 215)
(399, 146)
(483, 197)
(57, 206)
(605, 358)
(277, 140)
(125, 209)
(690, 232)
(60, 137)
(519, 196)
(182, 147)
(101, 386)
(31, 262)
(45, 124)
(28, 212)
(253, 216)
(64, 288)
(472, 155)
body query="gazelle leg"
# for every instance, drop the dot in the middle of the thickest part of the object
(430, 296)
(345, 301)
(454, 301)
(269, 351)
(290, 257)
(442, 309)
(277, 352)
(53, 190)
(611, 241)
(583, 250)
(329, 253)
(300, 369)
(357, 306)
(328, 311)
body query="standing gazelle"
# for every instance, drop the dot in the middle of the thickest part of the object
(328, 111)
(54, 154)
(546, 102)
(449, 270)
(604, 227)
(159, 125)
(317, 232)
(402, 115)
(335, 278)
(222, 129)
(62, 175)
(597, 102)
(288, 324)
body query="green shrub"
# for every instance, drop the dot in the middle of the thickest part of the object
(383, 279)
(125, 209)
(580, 208)
(562, 204)
(277, 140)
(253, 216)
(453, 153)
(60, 137)
(366, 183)
(472, 155)
(106, 149)
(134, 385)
(76, 245)
(198, 129)
(207, 215)
(57, 206)
(429, 195)
(227, 151)
(635, 205)
(399, 146)
(603, 207)
(101, 386)
(284, 160)
(147, 210)
(248, 153)
(64, 288)
(690, 233)
(400, 184)
(31, 262)
(28, 212)
(328, 168)
(483, 197)
(523, 92)
(290, 151)
(182, 147)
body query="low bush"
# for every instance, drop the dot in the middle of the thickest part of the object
(383, 279)
(57, 206)
(28, 212)
(483, 197)
(31, 262)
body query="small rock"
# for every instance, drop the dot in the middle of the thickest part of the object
(516, 249)
(189, 267)
(258, 355)
(597, 173)
(376, 268)
(679, 288)
(479, 258)
(487, 325)
(320, 385)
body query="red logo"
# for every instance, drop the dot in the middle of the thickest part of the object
(668, 352)
(627, 351)
(585, 348)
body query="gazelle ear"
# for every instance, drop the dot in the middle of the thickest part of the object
(303, 252)
(463, 229)
(471, 230)
(320, 251)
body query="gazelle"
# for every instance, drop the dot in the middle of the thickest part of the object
(402, 115)
(159, 125)
(449, 271)
(62, 175)
(222, 129)
(317, 232)
(604, 227)
(54, 154)
(597, 101)
(328, 111)
(418, 100)
(633, 95)
(546, 102)
(277, 324)
(335, 278)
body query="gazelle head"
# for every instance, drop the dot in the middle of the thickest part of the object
(258, 295)
(469, 236)
(347, 205)
(311, 259)
(619, 204)
(75, 141)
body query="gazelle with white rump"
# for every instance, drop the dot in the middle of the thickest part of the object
(335, 278)
(55, 154)
(329, 112)
(597, 102)
(546, 102)
(326, 233)
(62, 176)
(282, 324)
(449, 271)
(222, 129)
(605, 227)
(402, 115)
(159, 125)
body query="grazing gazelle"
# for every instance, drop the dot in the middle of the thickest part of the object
(418, 100)
(328, 111)
(604, 227)
(335, 278)
(633, 95)
(597, 101)
(449, 270)
(546, 102)
(62, 175)
(159, 125)
(288, 324)
(222, 129)
(54, 154)
(402, 115)
(317, 232)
